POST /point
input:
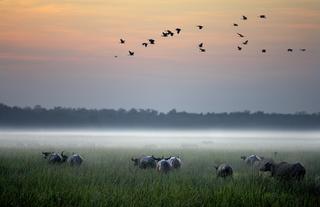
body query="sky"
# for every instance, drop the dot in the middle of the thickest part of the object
(61, 53)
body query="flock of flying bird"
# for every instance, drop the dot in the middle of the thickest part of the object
(246, 42)
(169, 33)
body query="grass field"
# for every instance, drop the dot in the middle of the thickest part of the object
(108, 178)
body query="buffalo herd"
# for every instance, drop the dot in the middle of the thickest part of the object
(279, 170)
(160, 164)
(56, 158)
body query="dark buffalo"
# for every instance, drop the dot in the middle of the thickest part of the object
(164, 166)
(284, 170)
(175, 162)
(224, 170)
(145, 162)
(54, 157)
(75, 160)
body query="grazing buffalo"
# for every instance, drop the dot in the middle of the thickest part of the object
(164, 166)
(258, 164)
(54, 157)
(224, 170)
(175, 162)
(145, 162)
(284, 170)
(75, 160)
(251, 160)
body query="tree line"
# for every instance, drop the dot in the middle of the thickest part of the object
(37, 116)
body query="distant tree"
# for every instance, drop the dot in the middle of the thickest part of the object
(38, 108)
(72, 117)
(301, 113)
(172, 112)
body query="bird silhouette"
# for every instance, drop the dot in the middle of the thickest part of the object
(164, 34)
(170, 33)
(122, 41)
(240, 35)
(202, 49)
(178, 30)
(201, 44)
(244, 17)
(145, 44)
(263, 50)
(234, 24)
(151, 41)
(200, 26)
(116, 56)
(245, 42)
(239, 48)
(263, 16)
(131, 53)
(290, 50)
(303, 49)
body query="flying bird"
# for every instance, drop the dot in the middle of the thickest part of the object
(290, 50)
(263, 50)
(116, 56)
(170, 33)
(131, 53)
(263, 16)
(239, 48)
(164, 34)
(244, 17)
(151, 41)
(122, 41)
(145, 44)
(201, 44)
(178, 30)
(245, 42)
(202, 50)
(240, 35)
(200, 26)
(234, 24)
(303, 49)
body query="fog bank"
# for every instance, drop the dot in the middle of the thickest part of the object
(215, 139)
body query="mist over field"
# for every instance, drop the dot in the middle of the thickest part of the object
(159, 139)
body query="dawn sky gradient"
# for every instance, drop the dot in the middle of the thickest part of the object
(61, 53)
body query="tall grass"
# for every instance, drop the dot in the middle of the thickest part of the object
(108, 178)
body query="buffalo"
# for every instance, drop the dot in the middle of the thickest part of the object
(284, 170)
(224, 170)
(54, 157)
(145, 162)
(252, 159)
(75, 159)
(175, 162)
(164, 166)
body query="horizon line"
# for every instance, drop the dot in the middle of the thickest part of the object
(173, 110)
